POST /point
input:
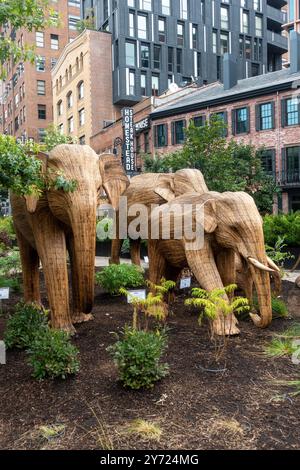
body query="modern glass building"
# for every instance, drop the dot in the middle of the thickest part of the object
(157, 42)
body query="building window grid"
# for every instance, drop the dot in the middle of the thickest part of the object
(266, 116)
(241, 120)
(292, 111)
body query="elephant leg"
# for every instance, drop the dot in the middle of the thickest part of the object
(30, 270)
(51, 247)
(135, 251)
(204, 267)
(157, 263)
(78, 315)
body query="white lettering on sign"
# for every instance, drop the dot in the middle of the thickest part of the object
(139, 294)
(142, 125)
(4, 293)
(128, 130)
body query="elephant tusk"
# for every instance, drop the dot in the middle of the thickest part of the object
(259, 265)
(272, 264)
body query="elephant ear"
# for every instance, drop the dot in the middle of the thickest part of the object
(165, 188)
(189, 180)
(114, 178)
(210, 216)
(30, 200)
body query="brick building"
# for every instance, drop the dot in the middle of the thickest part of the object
(264, 112)
(82, 86)
(26, 99)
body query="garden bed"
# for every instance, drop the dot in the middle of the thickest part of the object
(241, 407)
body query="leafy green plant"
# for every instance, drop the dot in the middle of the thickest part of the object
(115, 276)
(54, 137)
(51, 354)
(213, 303)
(12, 283)
(283, 344)
(279, 308)
(153, 306)
(10, 263)
(7, 226)
(104, 229)
(276, 252)
(137, 356)
(285, 227)
(21, 327)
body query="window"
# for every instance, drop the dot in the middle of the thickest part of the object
(73, 20)
(240, 118)
(41, 87)
(130, 3)
(54, 41)
(248, 48)
(59, 108)
(39, 39)
(199, 121)
(264, 116)
(80, 90)
(257, 50)
(241, 46)
(257, 5)
(178, 135)
(292, 164)
(156, 56)
(131, 84)
(166, 7)
(155, 85)
(170, 59)
(143, 84)
(183, 5)
(82, 140)
(245, 22)
(146, 142)
(214, 42)
(179, 60)
(81, 115)
(131, 24)
(61, 128)
(130, 53)
(195, 36)
(17, 123)
(162, 29)
(258, 25)
(161, 135)
(142, 26)
(268, 161)
(40, 64)
(254, 70)
(69, 100)
(41, 134)
(74, 3)
(71, 124)
(180, 34)
(17, 100)
(224, 43)
(222, 117)
(146, 5)
(53, 62)
(41, 111)
(145, 55)
(224, 17)
(290, 112)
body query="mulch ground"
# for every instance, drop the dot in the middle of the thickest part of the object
(236, 404)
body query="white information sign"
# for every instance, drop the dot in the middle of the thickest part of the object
(139, 293)
(185, 282)
(4, 293)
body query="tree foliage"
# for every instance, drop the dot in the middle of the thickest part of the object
(20, 170)
(54, 137)
(226, 166)
(16, 14)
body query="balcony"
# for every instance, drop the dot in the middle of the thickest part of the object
(276, 16)
(277, 3)
(277, 42)
(290, 179)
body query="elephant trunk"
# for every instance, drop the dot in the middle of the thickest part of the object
(263, 290)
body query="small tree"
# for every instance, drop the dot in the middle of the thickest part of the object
(54, 137)
(33, 15)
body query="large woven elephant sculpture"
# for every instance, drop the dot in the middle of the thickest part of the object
(155, 189)
(59, 222)
(232, 224)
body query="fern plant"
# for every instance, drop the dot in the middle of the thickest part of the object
(213, 303)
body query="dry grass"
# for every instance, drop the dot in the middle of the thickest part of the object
(145, 429)
(229, 428)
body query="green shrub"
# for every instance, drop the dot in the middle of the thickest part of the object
(282, 225)
(12, 283)
(6, 225)
(10, 261)
(104, 229)
(137, 356)
(279, 308)
(51, 354)
(24, 324)
(277, 253)
(115, 276)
